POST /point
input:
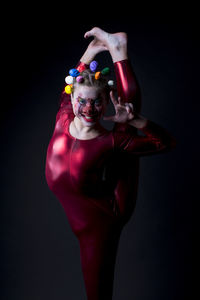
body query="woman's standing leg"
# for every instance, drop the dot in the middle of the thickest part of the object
(98, 251)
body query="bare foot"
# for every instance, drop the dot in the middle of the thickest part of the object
(110, 40)
(95, 47)
(116, 43)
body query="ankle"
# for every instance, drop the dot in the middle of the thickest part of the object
(87, 58)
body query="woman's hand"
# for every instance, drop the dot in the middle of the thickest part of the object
(96, 46)
(124, 111)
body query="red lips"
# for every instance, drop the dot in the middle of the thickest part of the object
(89, 118)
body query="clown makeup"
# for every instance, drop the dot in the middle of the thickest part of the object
(88, 104)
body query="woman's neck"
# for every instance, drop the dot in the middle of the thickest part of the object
(85, 131)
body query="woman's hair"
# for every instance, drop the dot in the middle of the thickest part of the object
(90, 80)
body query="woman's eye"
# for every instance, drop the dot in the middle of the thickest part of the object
(82, 101)
(97, 102)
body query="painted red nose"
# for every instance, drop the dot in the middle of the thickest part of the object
(89, 110)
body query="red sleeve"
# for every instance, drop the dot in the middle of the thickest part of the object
(65, 111)
(127, 88)
(156, 140)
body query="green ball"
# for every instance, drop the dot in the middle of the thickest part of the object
(105, 71)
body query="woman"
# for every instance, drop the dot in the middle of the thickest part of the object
(90, 169)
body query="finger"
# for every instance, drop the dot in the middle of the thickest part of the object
(114, 101)
(129, 106)
(131, 116)
(120, 100)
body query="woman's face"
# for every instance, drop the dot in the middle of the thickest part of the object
(89, 104)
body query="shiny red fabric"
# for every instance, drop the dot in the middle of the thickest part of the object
(94, 187)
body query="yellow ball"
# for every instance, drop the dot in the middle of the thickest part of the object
(68, 89)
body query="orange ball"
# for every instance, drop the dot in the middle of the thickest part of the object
(97, 75)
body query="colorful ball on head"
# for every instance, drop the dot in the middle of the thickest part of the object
(105, 71)
(68, 89)
(93, 65)
(79, 79)
(74, 72)
(69, 79)
(97, 75)
(111, 83)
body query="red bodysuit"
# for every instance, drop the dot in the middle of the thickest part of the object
(96, 181)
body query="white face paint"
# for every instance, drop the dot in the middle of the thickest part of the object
(88, 104)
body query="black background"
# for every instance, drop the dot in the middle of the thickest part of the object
(157, 252)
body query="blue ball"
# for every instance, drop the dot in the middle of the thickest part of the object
(93, 65)
(74, 72)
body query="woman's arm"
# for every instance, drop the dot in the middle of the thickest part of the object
(156, 140)
(156, 137)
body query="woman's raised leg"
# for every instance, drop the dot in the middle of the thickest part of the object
(127, 85)
(129, 91)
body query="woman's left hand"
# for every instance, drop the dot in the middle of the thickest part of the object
(124, 111)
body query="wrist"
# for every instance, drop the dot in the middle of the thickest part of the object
(138, 121)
